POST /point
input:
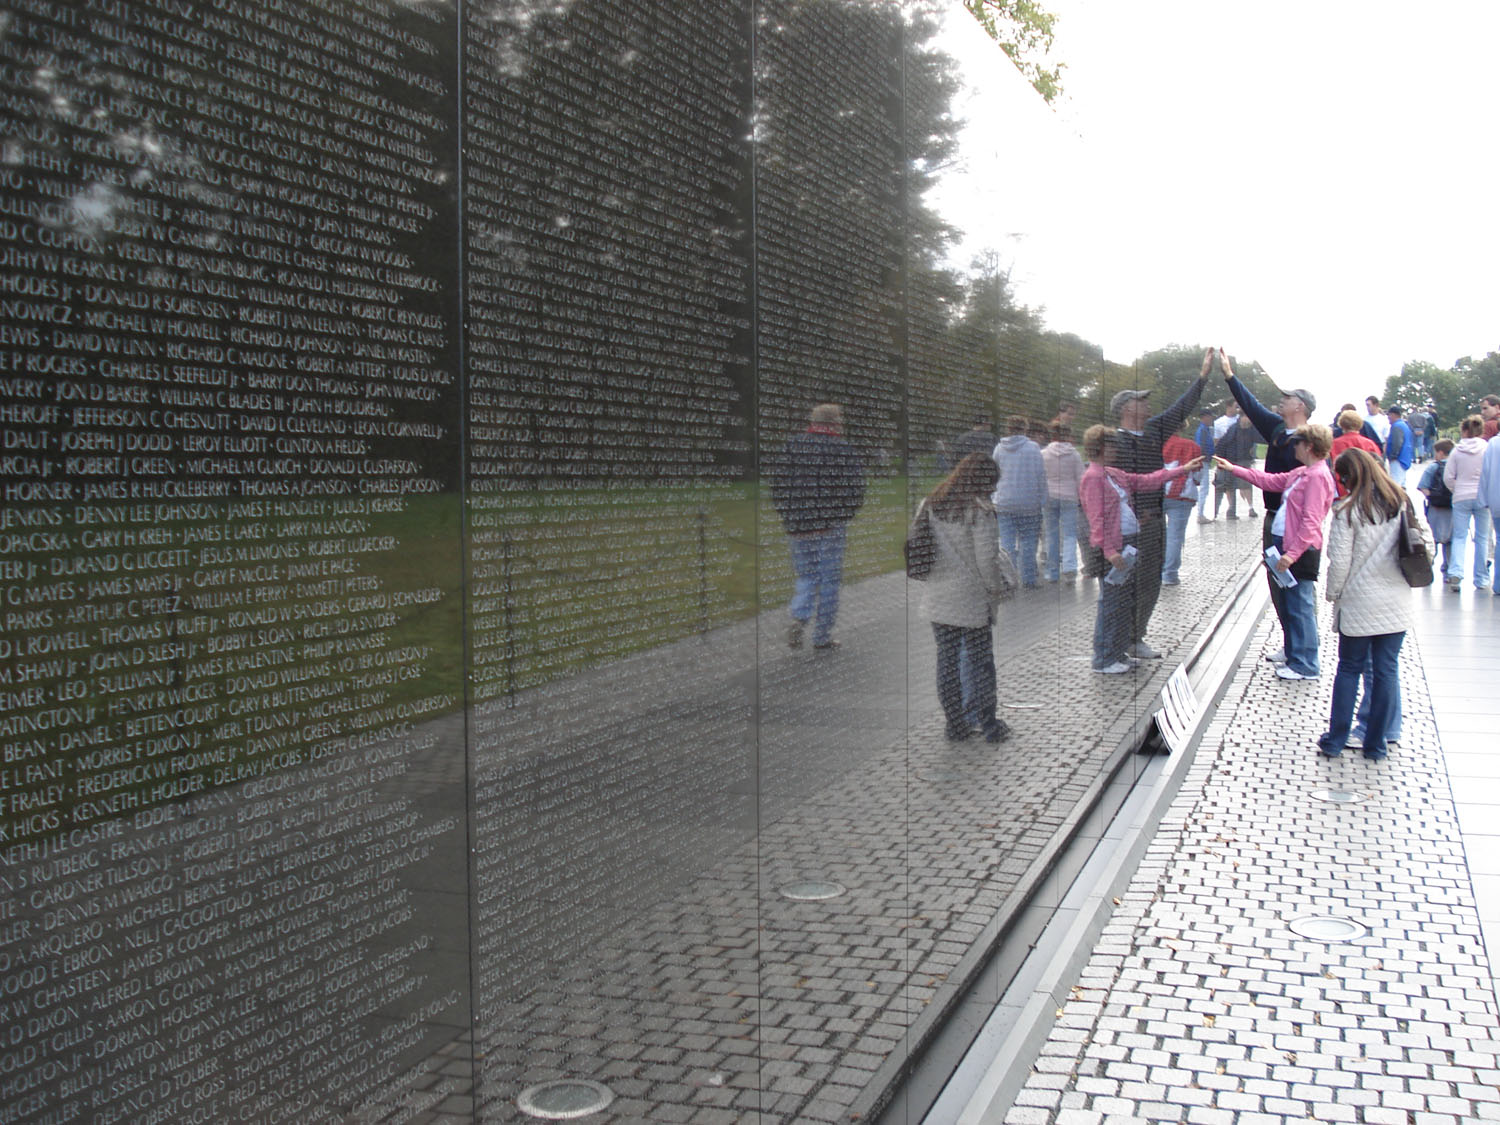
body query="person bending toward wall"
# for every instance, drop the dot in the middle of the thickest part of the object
(1104, 495)
(1304, 496)
(1138, 442)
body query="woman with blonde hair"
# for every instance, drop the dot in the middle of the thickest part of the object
(1372, 602)
(962, 593)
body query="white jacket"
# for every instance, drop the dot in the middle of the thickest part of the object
(1364, 578)
(963, 587)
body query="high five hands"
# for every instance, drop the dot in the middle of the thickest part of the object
(1224, 366)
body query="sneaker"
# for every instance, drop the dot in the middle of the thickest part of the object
(1171, 582)
(1277, 657)
(1205, 519)
(1142, 651)
(1072, 576)
(958, 732)
(826, 646)
(1374, 755)
(1115, 669)
(794, 634)
(1232, 516)
(1287, 674)
(1253, 513)
(998, 731)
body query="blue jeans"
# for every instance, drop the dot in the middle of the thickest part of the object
(1019, 532)
(1062, 537)
(1299, 606)
(1382, 653)
(1114, 621)
(1464, 513)
(1177, 513)
(1205, 486)
(818, 559)
(965, 674)
(1366, 696)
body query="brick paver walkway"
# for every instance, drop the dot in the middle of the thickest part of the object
(1199, 1005)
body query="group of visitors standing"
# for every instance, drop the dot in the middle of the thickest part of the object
(1335, 491)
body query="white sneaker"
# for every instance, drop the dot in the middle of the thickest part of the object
(1287, 674)
(1114, 669)
(1142, 651)
(1277, 657)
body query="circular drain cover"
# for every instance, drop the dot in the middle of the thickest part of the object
(812, 890)
(1326, 927)
(1340, 796)
(939, 775)
(564, 1099)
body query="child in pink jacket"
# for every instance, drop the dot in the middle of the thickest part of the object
(1307, 493)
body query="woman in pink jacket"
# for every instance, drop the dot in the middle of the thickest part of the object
(1104, 493)
(1307, 493)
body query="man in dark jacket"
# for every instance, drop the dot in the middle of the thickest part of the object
(1138, 442)
(1277, 426)
(817, 484)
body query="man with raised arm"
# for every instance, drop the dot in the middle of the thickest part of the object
(1138, 442)
(1277, 427)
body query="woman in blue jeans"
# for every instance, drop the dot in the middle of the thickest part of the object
(963, 591)
(1372, 602)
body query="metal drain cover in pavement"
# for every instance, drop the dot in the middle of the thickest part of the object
(939, 775)
(564, 1099)
(1326, 927)
(1340, 796)
(812, 890)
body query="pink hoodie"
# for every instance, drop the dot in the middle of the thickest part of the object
(1306, 506)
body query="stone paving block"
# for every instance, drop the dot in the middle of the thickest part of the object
(1197, 965)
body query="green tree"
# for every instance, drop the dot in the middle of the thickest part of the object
(1024, 30)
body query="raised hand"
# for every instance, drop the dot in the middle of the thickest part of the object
(1224, 365)
(1208, 363)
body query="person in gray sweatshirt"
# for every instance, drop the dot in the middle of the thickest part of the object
(1020, 496)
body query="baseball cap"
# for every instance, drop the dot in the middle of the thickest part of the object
(1306, 396)
(1117, 403)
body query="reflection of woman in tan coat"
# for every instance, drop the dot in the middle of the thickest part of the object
(963, 590)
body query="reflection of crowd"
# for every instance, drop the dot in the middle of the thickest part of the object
(1024, 508)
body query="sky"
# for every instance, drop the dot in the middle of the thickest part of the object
(1310, 185)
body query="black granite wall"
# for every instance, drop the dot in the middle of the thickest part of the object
(397, 705)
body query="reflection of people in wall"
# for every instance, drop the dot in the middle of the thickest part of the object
(1020, 496)
(817, 484)
(1138, 442)
(1236, 444)
(1064, 474)
(1115, 529)
(979, 438)
(1177, 502)
(961, 594)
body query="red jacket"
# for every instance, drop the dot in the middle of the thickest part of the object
(1355, 440)
(1181, 450)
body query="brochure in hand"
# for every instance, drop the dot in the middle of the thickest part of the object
(1114, 576)
(1280, 577)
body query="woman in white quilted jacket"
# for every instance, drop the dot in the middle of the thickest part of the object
(1372, 602)
(962, 593)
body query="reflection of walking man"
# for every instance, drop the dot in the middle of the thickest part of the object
(817, 485)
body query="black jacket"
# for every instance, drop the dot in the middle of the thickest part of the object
(1141, 453)
(817, 482)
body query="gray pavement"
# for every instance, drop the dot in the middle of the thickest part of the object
(1199, 1004)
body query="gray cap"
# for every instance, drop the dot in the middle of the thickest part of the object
(1306, 396)
(1117, 403)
